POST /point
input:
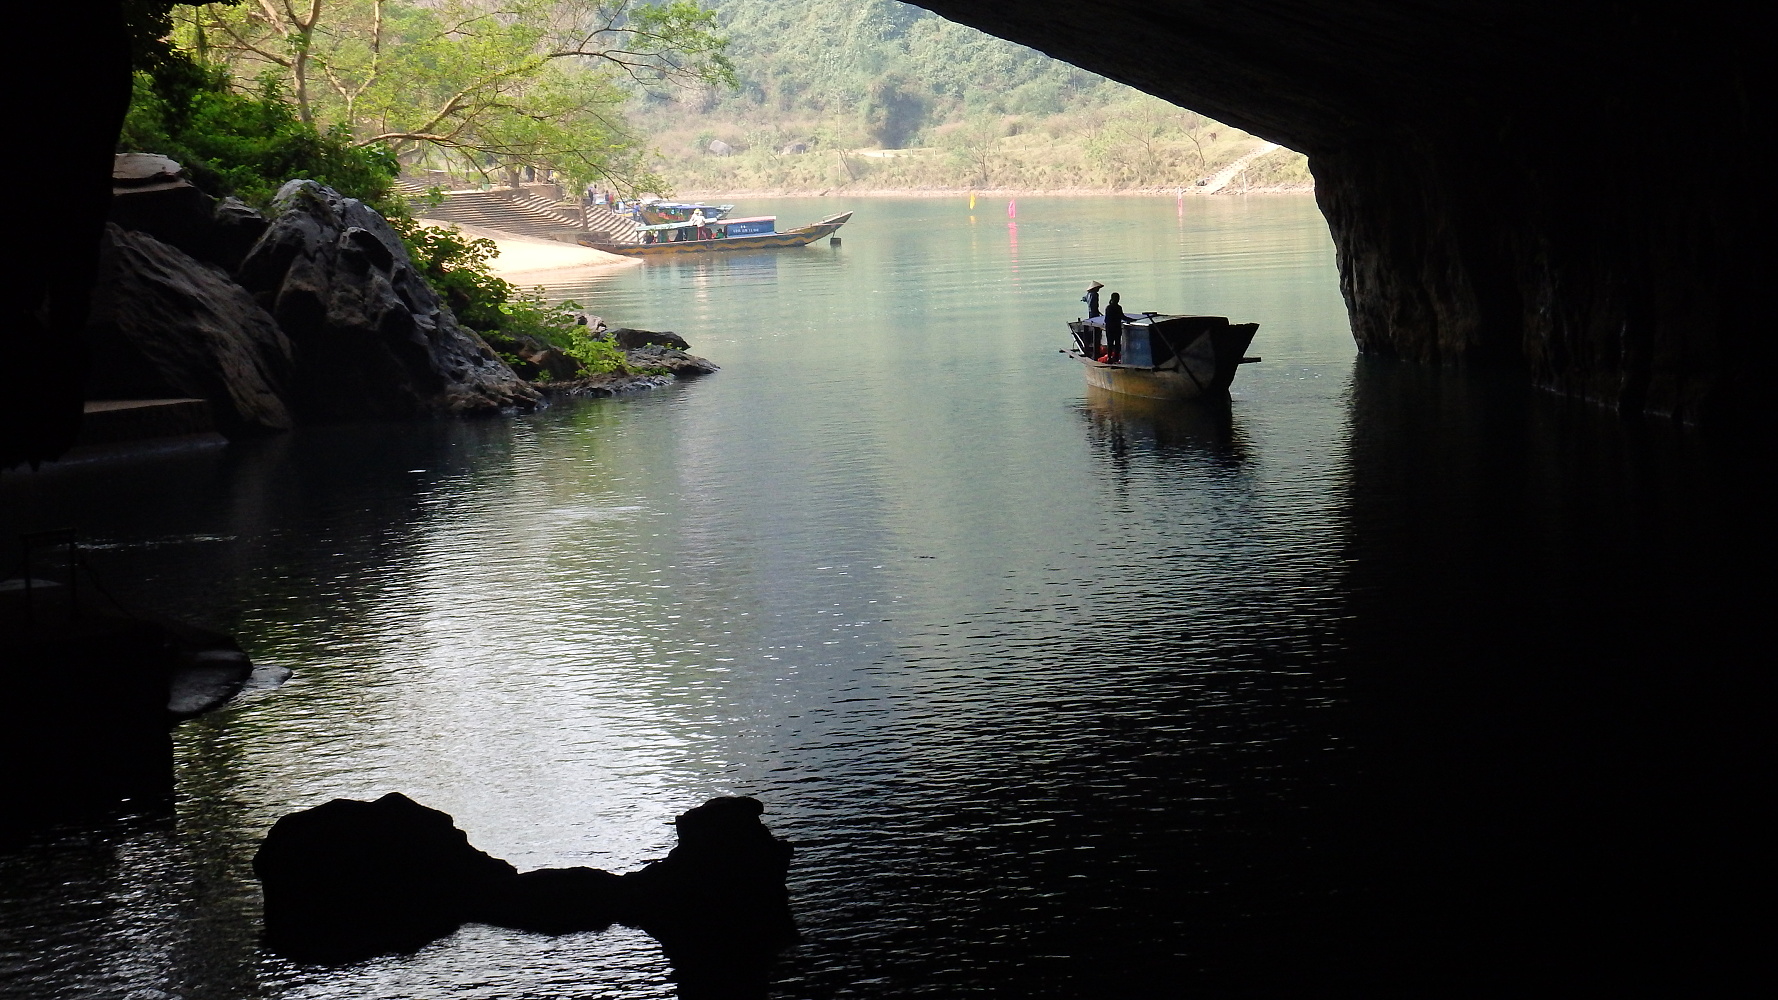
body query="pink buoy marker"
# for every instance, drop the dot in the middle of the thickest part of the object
(1012, 208)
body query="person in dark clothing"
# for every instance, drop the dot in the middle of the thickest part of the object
(1114, 329)
(1091, 298)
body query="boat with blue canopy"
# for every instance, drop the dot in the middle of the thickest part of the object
(753, 233)
(657, 213)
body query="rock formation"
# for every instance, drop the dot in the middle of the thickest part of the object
(675, 360)
(351, 879)
(1503, 181)
(151, 194)
(164, 325)
(372, 339)
(533, 359)
(186, 282)
(78, 106)
(630, 340)
(89, 697)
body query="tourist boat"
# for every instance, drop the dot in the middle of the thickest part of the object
(657, 213)
(1165, 357)
(727, 234)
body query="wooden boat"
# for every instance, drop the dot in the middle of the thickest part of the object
(757, 233)
(656, 213)
(1165, 356)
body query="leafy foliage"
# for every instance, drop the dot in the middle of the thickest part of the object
(537, 83)
(459, 267)
(960, 108)
(247, 143)
(531, 314)
(887, 71)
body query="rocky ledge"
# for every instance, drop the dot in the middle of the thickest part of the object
(315, 314)
(649, 364)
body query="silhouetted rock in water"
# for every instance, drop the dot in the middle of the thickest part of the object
(352, 879)
(372, 338)
(165, 325)
(151, 194)
(557, 901)
(726, 875)
(89, 699)
(629, 339)
(718, 903)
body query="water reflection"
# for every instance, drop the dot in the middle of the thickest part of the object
(733, 267)
(1338, 686)
(1204, 427)
(1547, 722)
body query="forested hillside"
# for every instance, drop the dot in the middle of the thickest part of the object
(827, 86)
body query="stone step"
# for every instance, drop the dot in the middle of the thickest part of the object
(112, 421)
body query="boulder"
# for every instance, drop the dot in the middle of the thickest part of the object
(677, 362)
(629, 339)
(534, 358)
(236, 227)
(165, 325)
(88, 698)
(725, 878)
(350, 879)
(371, 337)
(151, 194)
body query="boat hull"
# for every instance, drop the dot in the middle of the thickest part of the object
(764, 241)
(1142, 382)
(1200, 357)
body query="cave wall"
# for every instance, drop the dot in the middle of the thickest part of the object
(1570, 189)
(68, 103)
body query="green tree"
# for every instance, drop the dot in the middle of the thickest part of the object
(525, 82)
(246, 143)
(976, 143)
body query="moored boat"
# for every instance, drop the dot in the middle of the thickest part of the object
(1165, 356)
(755, 233)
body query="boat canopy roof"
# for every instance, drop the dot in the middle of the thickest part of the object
(719, 222)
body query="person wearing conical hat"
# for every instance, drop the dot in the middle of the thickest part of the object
(1091, 298)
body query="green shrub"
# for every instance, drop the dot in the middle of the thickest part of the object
(530, 314)
(459, 267)
(248, 143)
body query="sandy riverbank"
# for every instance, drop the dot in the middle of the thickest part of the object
(525, 260)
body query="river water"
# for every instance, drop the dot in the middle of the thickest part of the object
(1377, 676)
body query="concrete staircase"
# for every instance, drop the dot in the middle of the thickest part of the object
(535, 210)
(522, 212)
(620, 228)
